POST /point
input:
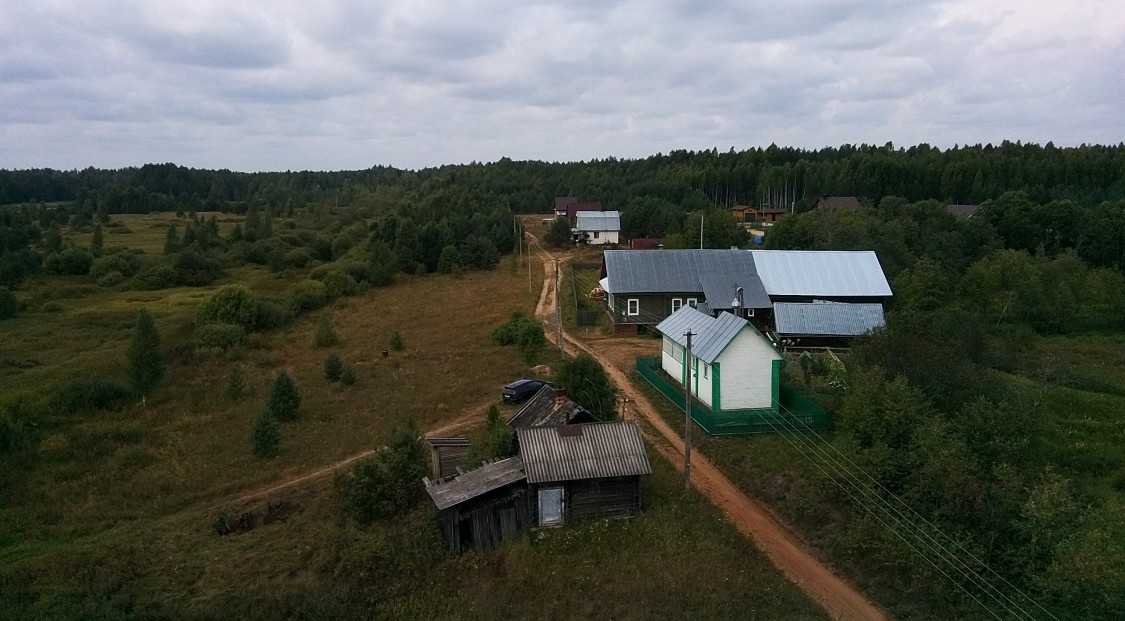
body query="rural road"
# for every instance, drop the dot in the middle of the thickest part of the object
(785, 551)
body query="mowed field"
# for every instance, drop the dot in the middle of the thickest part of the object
(110, 514)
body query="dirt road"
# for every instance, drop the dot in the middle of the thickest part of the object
(785, 551)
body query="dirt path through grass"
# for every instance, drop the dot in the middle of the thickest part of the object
(785, 551)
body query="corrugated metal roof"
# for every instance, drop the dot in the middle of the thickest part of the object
(711, 335)
(602, 450)
(476, 482)
(845, 273)
(830, 319)
(598, 221)
(712, 273)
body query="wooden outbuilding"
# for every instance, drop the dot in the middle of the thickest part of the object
(583, 471)
(484, 507)
(447, 455)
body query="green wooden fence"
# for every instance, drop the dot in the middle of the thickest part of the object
(797, 413)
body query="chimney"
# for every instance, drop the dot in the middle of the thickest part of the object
(560, 397)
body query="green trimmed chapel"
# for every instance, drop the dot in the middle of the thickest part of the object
(733, 367)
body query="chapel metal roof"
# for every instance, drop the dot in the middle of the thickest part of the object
(476, 482)
(710, 335)
(713, 273)
(827, 319)
(837, 273)
(588, 451)
(598, 221)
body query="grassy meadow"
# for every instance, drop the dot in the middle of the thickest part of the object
(110, 513)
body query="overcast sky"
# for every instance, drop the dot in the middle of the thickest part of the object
(348, 84)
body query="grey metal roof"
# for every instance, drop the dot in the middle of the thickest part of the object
(962, 211)
(711, 335)
(844, 273)
(830, 319)
(712, 273)
(589, 451)
(476, 482)
(598, 221)
(542, 409)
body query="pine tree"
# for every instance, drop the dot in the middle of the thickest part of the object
(325, 335)
(285, 399)
(145, 360)
(266, 437)
(97, 241)
(333, 367)
(171, 240)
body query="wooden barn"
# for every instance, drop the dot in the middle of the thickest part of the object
(484, 507)
(583, 471)
(447, 455)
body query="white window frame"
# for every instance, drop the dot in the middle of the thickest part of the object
(706, 369)
(749, 312)
(633, 307)
(677, 303)
(693, 302)
(669, 347)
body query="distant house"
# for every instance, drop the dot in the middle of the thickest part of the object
(562, 473)
(550, 407)
(838, 202)
(645, 243)
(732, 366)
(643, 287)
(962, 211)
(569, 207)
(764, 213)
(742, 213)
(583, 471)
(597, 228)
(561, 205)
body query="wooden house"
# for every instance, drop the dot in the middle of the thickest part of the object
(447, 455)
(732, 367)
(583, 471)
(838, 202)
(597, 228)
(484, 507)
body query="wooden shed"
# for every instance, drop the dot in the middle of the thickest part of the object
(484, 507)
(583, 471)
(447, 455)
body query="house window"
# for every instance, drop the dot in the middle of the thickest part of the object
(596, 233)
(633, 307)
(749, 312)
(669, 348)
(676, 304)
(706, 368)
(551, 506)
(692, 302)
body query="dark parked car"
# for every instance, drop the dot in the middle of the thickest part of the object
(522, 390)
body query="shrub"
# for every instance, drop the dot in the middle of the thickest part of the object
(236, 385)
(308, 295)
(449, 260)
(284, 399)
(52, 307)
(74, 261)
(221, 335)
(297, 257)
(325, 335)
(347, 375)
(396, 341)
(386, 485)
(196, 270)
(160, 276)
(333, 367)
(524, 332)
(109, 264)
(266, 437)
(89, 393)
(272, 314)
(144, 360)
(232, 304)
(111, 279)
(339, 283)
(9, 305)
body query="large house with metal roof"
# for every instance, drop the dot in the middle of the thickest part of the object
(732, 367)
(774, 289)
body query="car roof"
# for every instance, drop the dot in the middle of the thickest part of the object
(518, 383)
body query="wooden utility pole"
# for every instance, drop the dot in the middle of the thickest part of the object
(558, 311)
(687, 415)
(523, 234)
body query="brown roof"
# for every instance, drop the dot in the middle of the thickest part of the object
(574, 208)
(561, 202)
(837, 202)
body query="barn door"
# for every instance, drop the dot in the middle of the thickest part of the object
(551, 506)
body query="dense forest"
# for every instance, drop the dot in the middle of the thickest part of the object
(967, 405)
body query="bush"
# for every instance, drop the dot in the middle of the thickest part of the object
(525, 333)
(266, 437)
(196, 270)
(52, 307)
(333, 367)
(284, 399)
(160, 276)
(449, 260)
(109, 264)
(144, 359)
(308, 295)
(73, 261)
(232, 304)
(325, 335)
(297, 258)
(221, 335)
(272, 314)
(347, 375)
(388, 484)
(235, 384)
(339, 284)
(111, 279)
(89, 393)
(9, 305)
(396, 341)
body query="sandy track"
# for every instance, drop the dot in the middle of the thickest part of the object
(781, 546)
